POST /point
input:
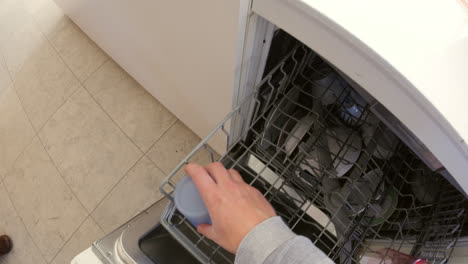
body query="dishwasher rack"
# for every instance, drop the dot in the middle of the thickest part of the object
(335, 174)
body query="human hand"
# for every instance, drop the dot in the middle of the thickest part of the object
(234, 206)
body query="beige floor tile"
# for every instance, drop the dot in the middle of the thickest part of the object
(458, 260)
(49, 17)
(43, 84)
(14, 15)
(14, 12)
(19, 34)
(32, 5)
(459, 255)
(5, 80)
(24, 250)
(90, 151)
(83, 238)
(136, 192)
(81, 54)
(137, 112)
(49, 209)
(175, 145)
(22, 45)
(16, 131)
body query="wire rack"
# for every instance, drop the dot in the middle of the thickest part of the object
(331, 170)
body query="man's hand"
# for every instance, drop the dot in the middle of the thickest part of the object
(234, 206)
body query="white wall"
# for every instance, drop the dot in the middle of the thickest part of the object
(183, 53)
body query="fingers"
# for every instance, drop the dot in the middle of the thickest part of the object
(218, 172)
(235, 175)
(206, 230)
(205, 184)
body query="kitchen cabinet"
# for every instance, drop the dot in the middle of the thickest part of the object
(183, 53)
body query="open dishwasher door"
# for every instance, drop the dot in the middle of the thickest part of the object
(142, 240)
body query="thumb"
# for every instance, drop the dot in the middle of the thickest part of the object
(206, 230)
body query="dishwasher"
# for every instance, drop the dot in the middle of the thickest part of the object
(336, 165)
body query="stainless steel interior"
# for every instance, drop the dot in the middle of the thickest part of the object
(123, 244)
(332, 170)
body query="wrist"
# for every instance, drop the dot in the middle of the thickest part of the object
(273, 232)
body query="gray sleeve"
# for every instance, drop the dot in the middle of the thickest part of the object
(272, 242)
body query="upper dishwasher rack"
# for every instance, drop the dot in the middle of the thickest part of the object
(349, 198)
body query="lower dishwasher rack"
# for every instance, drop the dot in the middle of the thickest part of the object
(348, 206)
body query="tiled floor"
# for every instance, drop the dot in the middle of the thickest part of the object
(83, 147)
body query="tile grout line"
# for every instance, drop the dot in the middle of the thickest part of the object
(60, 173)
(157, 167)
(8, 70)
(58, 108)
(121, 130)
(94, 99)
(74, 232)
(5, 66)
(126, 174)
(13, 78)
(12, 84)
(97, 69)
(60, 56)
(36, 134)
(102, 108)
(74, 194)
(131, 140)
(144, 153)
(113, 121)
(128, 137)
(163, 134)
(98, 225)
(113, 187)
(22, 221)
(88, 214)
(82, 84)
(19, 155)
(39, 29)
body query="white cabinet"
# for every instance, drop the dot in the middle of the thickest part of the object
(183, 53)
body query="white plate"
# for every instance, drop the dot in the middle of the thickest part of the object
(298, 133)
(364, 188)
(336, 139)
(278, 183)
(328, 88)
(385, 143)
(277, 118)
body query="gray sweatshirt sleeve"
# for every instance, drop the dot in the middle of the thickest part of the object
(272, 242)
